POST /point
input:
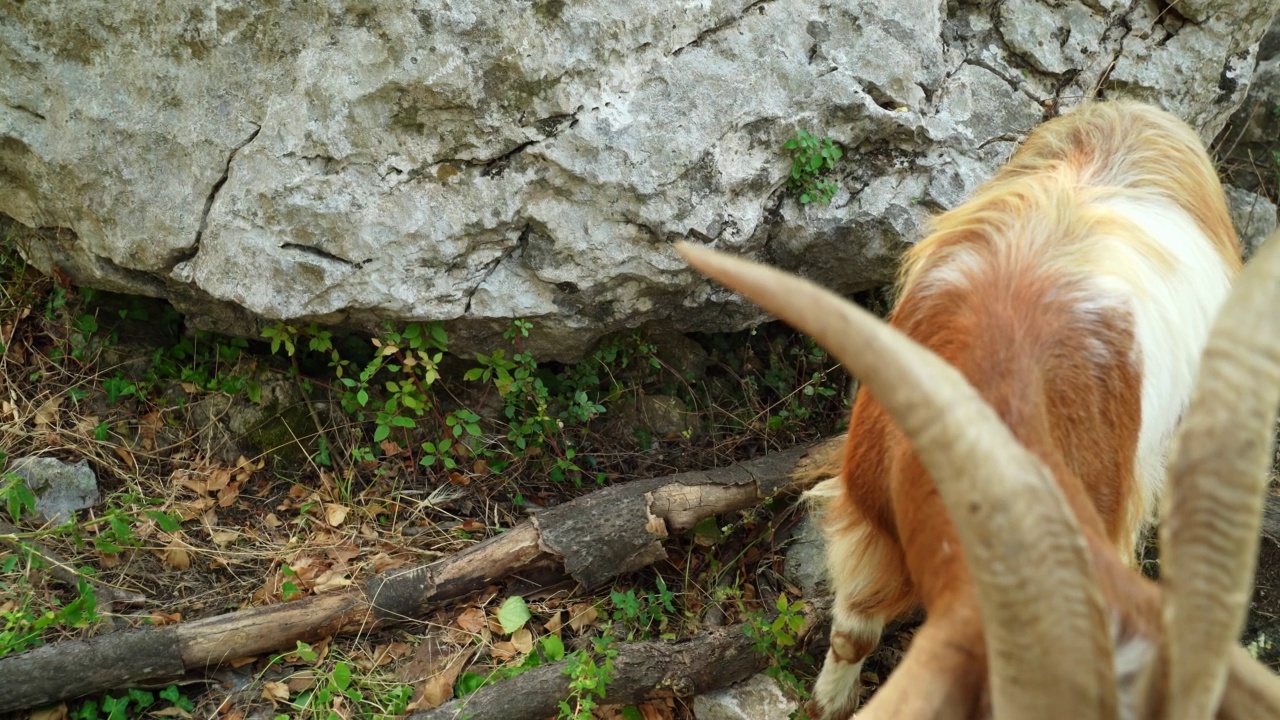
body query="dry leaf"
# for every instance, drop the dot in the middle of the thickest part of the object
(218, 479)
(335, 514)
(227, 496)
(272, 521)
(582, 615)
(554, 624)
(124, 454)
(472, 620)
(301, 681)
(223, 538)
(273, 691)
(503, 651)
(171, 711)
(175, 553)
(329, 581)
(522, 639)
(439, 687)
(48, 410)
(159, 618)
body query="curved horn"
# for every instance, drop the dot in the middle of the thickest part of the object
(1224, 450)
(1047, 640)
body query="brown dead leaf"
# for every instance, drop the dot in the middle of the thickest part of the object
(472, 620)
(582, 615)
(503, 651)
(147, 428)
(272, 521)
(554, 624)
(297, 492)
(171, 711)
(223, 538)
(301, 681)
(330, 580)
(48, 410)
(176, 555)
(522, 639)
(439, 687)
(218, 479)
(228, 495)
(480, 467)
(457, 478)
(335, 514)
(274, 691)
(344, 553)
(159, 618)
(124, 454)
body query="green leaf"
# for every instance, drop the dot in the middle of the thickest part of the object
(342, 675)
(473, 374)
(552, 647)
(513, 614)
(165, 521)
(469, 682)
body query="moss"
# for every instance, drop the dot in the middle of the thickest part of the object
(277, 436)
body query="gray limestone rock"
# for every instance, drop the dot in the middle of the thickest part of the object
(353, 163)
(61, 488)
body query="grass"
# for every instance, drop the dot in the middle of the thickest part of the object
(240, 472)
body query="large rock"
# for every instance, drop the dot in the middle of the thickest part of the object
(1251, 142)
(480, 160)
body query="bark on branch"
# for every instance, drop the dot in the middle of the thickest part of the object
(593, 539)
(641, 671)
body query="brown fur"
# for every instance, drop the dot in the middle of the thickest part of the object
(996, 291)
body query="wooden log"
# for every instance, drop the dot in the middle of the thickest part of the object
(641, 671)
(592, 539)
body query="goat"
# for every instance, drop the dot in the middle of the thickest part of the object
(1070, 629)
(1072, 295)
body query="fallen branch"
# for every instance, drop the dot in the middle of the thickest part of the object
(641, 671)
(593, 538)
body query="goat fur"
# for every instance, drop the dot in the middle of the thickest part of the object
(1075, 291)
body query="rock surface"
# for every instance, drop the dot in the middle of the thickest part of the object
(61, 488)
(353, 163)
(756, 698)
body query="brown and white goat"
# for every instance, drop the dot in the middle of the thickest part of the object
(1073, 294)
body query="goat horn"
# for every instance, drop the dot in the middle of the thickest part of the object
(1043, 617)
(1224, 449)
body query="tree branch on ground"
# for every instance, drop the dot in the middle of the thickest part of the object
(592, 539)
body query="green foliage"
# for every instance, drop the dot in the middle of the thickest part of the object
(812, 162)
(774, 640)
(24, 621)
(588, 679)
(544, 412)
(134, 703)
(644, 613)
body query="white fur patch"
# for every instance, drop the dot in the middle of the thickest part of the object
(1174, 306)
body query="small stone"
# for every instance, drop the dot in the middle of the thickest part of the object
(60, 488)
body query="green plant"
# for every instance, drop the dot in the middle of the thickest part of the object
(812, 161)
(773, 639)
(644, 612)
(588, 680)
(139, 701)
